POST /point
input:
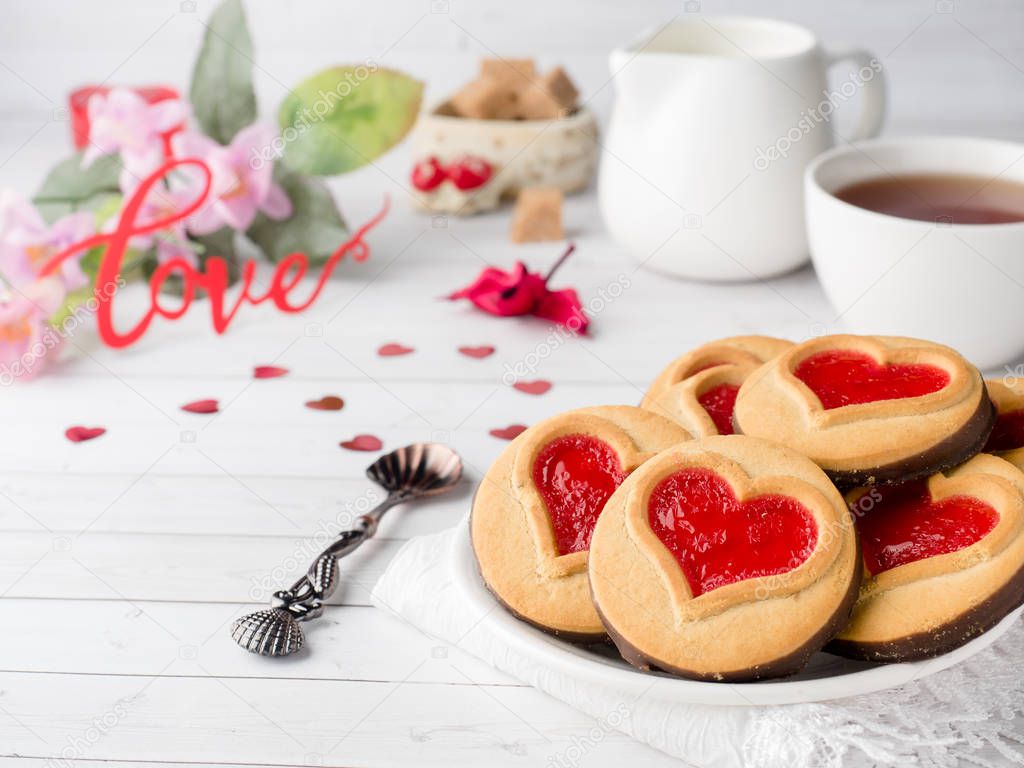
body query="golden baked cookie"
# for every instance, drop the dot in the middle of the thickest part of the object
(870, 409)
(535, 510)
(943, 561)
(727, 558)
(1008, 433)
(698, 390)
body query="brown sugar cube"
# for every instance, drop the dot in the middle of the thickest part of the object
(519, 72)
(561, 88)
(537, 216)
(552, 97)
(486, 100)
(537, 103)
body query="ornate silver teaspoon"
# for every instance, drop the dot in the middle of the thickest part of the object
(408, 474)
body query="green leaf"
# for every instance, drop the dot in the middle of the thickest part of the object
(222, 94)
(344, 117)
(315, 227)
(69, 187)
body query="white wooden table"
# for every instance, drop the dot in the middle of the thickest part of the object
(123, 560)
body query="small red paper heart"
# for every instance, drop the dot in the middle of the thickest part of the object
(718, 540)
(843, 377)
(268, 372)
(80, 434)
(907, 524)
(575, 475)
(393, 350)
(511, 432)
(362, 443)
(326, 403)
(538, 387)
(201, 406)
(477, 352)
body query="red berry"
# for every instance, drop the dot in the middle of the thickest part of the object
(470, 172)
(428, 174)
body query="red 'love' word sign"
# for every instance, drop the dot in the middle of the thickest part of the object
(214, 277)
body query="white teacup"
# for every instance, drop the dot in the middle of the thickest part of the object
(958, 284)
(715, 120)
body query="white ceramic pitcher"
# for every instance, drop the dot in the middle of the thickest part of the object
(714, 122)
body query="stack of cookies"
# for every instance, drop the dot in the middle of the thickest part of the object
(858, 494)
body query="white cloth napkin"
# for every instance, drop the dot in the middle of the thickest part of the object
(967, 714)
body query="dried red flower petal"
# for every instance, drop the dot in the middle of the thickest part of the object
(511, 432)
(477, 352)
(201, 406)
(326, 403)
(268, 372)
(79, 434)
(538, 387)
(394, 350)
(521, 292)
(362, 443)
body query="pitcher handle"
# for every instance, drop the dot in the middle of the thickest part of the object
(870, 78)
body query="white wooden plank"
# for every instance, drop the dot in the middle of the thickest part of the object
(222, 569)
(110, 637)
(306, 722)
(209, 504)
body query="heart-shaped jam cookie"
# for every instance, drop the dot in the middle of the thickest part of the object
(944, 561)
(869, 409)
(715, 542)
(842, 377)
(699, 389)
(1008, 433)
(718, 539)
(719, 402)
(536, 508)
(575, 475)
(905, 524)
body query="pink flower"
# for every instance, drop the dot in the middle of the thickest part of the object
(27, 342)
(240, 188)
(171, 241)
(122, 121)
(27, 243)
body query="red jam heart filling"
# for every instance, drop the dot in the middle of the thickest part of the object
(1008, 432)
(575, 475)
(842, 377)
(900, 524)
(719, 403)
(719, 540)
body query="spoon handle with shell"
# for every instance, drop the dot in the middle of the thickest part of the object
(410, 473)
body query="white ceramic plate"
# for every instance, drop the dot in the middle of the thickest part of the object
(825, 677)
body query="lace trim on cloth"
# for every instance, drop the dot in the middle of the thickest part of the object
(940, 721)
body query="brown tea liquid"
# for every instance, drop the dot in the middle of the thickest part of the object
(960, 199)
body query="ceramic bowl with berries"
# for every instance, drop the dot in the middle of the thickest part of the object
(464, 165)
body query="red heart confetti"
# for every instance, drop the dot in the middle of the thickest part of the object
(268, 372)
(477, 352)
(362, 443)
(538, 387)
(326, 403)
(393, 350)
(511, 432)
(78, 434)
(201, 406)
